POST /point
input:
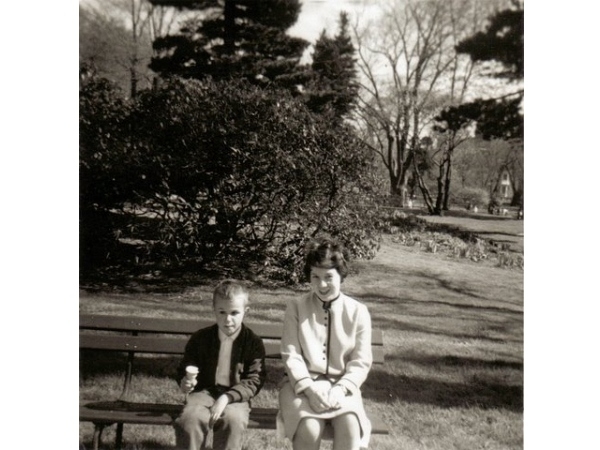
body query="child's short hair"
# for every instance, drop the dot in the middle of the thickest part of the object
(227, 289)
(328, 254)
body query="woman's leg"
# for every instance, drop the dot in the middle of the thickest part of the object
(346, 432)
(308, 435)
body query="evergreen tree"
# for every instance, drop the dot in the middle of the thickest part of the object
(333, 86)
(503, 42)
(233, 39)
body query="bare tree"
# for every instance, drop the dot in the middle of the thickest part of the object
(410, 72)
(117, 36)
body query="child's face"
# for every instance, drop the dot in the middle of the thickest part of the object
(325, 283)
(230, 313)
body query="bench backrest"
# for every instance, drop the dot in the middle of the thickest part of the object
(169, 336)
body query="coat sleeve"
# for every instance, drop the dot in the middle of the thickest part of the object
(291, 350)
(361, 357)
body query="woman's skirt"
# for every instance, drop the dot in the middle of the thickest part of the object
(293, 408)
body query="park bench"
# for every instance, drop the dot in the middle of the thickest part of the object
(167, 337)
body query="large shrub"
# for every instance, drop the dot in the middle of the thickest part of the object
(105, 183)
(467, 197)
(235, 176)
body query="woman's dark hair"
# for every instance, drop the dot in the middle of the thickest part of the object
(327, 254)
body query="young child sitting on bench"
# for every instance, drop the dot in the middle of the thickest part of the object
(231, 370)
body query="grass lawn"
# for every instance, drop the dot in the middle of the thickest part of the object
(499, 228)
(453, 328)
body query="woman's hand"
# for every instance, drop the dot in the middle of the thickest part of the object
(336, 396)
(318, 399)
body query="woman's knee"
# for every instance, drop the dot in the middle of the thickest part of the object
(309, 432)
(346, 431)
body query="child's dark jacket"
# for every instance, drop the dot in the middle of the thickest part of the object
(247, 374)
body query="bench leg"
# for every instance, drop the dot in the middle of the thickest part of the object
(119, 435)
(98, 427)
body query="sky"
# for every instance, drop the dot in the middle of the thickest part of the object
(317, 15)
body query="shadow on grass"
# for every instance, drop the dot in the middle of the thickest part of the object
(385, 387)
(383, 299)
(437, 362)
(425, 279)
(481, 333)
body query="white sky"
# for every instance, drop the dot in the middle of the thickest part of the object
(319, 14)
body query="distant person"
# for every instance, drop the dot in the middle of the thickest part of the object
(326, 351)
(231, 370)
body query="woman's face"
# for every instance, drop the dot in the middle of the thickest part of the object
(325, 283)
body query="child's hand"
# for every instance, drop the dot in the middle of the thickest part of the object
(186, 385)
(317, 399)
(216, 410)
(336, 396)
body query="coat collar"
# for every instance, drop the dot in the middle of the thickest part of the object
(332, 304)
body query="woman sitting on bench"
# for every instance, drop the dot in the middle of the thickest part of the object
(326, 350)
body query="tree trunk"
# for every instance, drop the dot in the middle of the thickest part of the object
(447, 182)
(439, 200)
(399, 176)
(404, 195)
(134, 81)
(399, 183)
(425, 191)
(394, 180)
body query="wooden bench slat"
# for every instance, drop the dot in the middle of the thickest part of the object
(180, 326)
(120, 323)
(169, 345)
(139, 344)
(156, 416)
(165, 414)
(167, 326)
